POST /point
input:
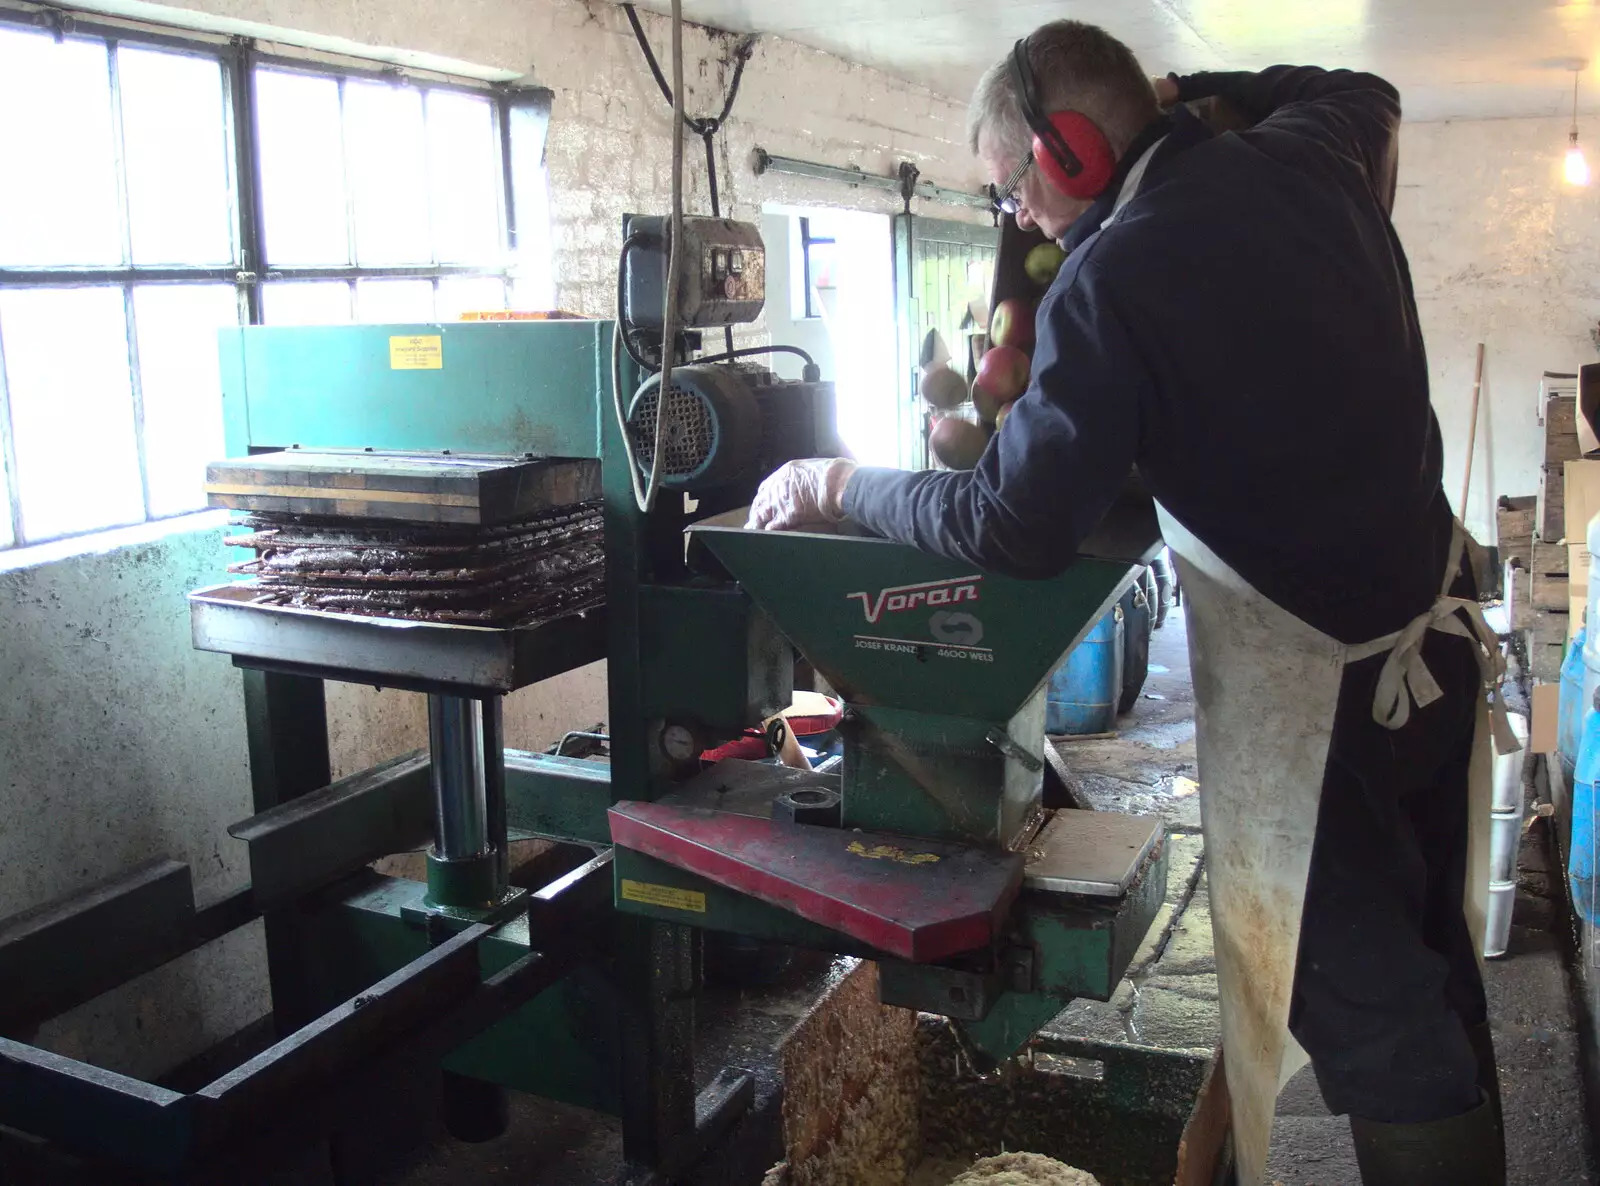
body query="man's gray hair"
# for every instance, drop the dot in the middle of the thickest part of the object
(1076, 67)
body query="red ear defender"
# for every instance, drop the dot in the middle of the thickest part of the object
(1088, 144)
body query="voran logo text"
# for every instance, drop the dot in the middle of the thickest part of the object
(899, 598)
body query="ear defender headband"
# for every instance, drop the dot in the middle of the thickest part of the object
(1071, 152)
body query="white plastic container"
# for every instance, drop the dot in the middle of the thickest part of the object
(1508, 768)
(1505, 837)
(1591, 646)
(1497, 932)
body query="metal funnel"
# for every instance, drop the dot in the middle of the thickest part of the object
(891, 627)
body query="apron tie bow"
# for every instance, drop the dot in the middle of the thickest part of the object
(1405, 676)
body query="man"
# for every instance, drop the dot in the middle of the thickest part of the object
(1235, 318)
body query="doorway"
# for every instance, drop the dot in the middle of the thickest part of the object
(944, 274)
(830, 291)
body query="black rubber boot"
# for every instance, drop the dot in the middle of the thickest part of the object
(1464, 1150)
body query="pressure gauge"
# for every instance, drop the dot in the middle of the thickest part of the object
(679, 742)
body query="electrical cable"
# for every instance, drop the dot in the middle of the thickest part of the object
(669, 317)
(749, 351)
(636, 239)
(645, 495)
(716, 212)
(700, 125)
(704, 127)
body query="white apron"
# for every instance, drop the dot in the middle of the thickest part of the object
(1266, 689)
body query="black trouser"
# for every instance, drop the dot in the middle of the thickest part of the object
(1388, 981)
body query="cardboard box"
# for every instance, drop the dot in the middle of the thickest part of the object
(1582, 497)
(1546, 709)
(1588, 407)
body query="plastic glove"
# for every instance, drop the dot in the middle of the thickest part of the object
(802, 494)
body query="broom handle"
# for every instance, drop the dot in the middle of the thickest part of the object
(1472, 433)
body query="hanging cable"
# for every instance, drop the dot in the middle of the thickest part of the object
(645, 494)
(716, 212)
(699, 125)
(704, 127)
(669, 317)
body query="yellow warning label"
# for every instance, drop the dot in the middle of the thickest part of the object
(663, 895)
(888, 852)
(423, 352)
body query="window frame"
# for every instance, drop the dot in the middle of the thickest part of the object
(807, 241)
(238, 58)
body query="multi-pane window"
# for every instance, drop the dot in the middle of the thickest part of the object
(819, 260)
(145, 207)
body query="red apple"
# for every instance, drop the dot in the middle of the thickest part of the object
(957, 443)
(1002, 376)
(1012, 324)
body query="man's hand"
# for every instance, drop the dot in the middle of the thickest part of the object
(1166, 90)
(802, 494)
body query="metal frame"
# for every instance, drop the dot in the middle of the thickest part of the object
(251, 270)
(857, 178)
(304, 1084)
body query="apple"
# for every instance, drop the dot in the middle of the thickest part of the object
(1042, 264)
(943, 387)
(1000, 416)
(1002, 376)
(957, 443)
(1012, 324)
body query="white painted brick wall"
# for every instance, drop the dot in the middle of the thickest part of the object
(1504, 253)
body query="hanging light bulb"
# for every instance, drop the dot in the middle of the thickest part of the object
(1576, 168)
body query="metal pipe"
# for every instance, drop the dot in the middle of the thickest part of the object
(460, 790)
(763, 161)
(494, 782)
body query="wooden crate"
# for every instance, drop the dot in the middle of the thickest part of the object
(1514, 518)
(1547, 645)
(1560, 447)
(1551, 584)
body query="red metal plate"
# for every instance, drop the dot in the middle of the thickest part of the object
(921, 900)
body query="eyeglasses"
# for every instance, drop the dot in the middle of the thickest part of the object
(1006, 200)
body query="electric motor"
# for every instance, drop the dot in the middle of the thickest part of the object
(711, 427)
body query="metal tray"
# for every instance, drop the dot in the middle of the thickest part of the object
(1098, 853)
(393, 652)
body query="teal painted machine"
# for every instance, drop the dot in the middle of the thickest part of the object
(931, 848)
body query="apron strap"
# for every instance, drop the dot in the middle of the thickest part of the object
(1406, 678)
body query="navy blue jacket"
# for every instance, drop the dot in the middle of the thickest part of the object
(1245, 334)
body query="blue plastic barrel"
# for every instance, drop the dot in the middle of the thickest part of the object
(1580, 863)
(1571, 705)
(1083, 692)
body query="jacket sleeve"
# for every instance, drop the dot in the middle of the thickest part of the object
(1357, 115)
(1047, 477)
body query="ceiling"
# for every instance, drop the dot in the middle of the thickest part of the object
(1450, 58)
